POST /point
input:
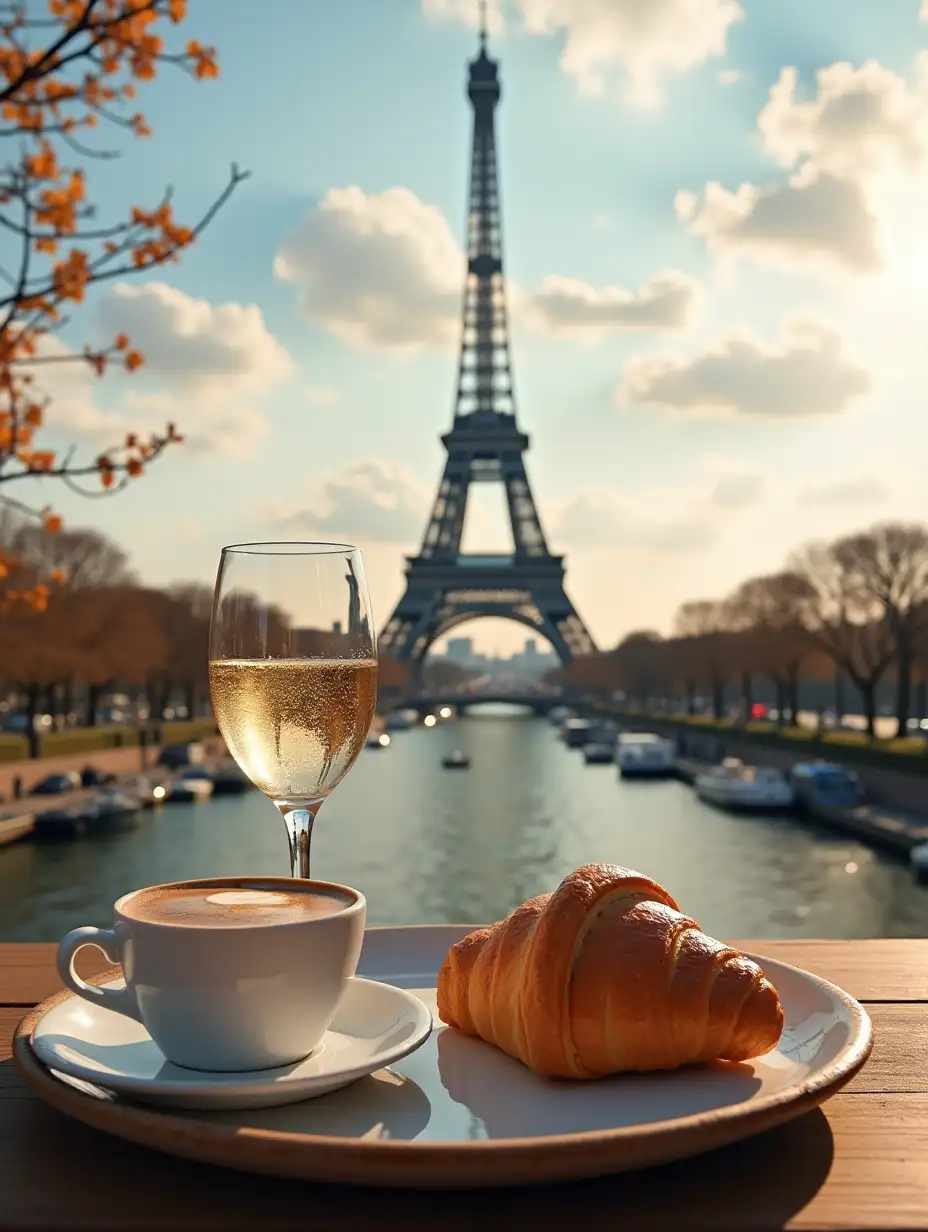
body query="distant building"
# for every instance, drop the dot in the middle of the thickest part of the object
(460, 650)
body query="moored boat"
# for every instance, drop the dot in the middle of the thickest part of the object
(111, 810)
(599, 754)
(644, 755)
(821, 788)
(456, 760)
(228, 780)
(734, 785)
(576, 732)
(918, 862)
(189, 788)
(54, 825)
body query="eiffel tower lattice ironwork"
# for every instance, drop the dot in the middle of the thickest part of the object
(443, 587)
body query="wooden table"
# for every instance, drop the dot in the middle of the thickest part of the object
(861, 1161)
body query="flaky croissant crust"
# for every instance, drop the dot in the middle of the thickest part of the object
(606, 975)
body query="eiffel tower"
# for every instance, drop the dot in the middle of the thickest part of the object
(443, 587)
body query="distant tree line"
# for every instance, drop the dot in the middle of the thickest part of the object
(103, 632)
(100, 631)
(851, 610)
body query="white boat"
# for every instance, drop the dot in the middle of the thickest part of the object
(559, 715)
(645, 755)
(576, 732)
(189, 789)
(737, 786)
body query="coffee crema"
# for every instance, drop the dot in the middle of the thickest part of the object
(231, 906)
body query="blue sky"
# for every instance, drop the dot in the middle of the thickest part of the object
(306, 345)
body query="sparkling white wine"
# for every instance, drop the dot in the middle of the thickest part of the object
(294, 725)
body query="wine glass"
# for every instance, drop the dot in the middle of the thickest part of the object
(293, 672)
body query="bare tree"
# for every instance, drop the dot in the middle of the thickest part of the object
(707, 622)
(86, 559)
(845, 620)
(889, 568)
(640, 667)
(594, 673)
(769, 612)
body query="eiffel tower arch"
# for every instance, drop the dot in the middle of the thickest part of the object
(444, 587)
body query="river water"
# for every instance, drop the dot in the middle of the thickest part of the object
(428, 845)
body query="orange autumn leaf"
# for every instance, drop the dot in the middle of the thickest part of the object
(122, 341)
(44, 165)
(70, 276)
(52, 523)
(133, 360)
(134, 467)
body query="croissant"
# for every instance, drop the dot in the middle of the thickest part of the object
(606, 975)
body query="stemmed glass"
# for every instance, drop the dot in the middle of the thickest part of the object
(293, 672)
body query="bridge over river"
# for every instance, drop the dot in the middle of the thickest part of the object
(539, 701)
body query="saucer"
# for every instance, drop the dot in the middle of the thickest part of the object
(374, 1025)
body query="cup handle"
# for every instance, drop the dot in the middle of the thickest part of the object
(119, 1000)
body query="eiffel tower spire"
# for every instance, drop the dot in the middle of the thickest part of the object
(444, 587)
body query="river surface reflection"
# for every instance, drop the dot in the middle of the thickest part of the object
(428, 845)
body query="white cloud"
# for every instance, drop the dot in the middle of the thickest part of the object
(208, 423)
(319, 395)
(738, 491)
(810, 216)
(728, 76)
(568, 307)
(370, 499)
(860, 120)
(204, 367)
(380, 270)
(854, 490)
(192, 344)
(385, 271)
(805, 373)
(856, 149)
(601, 518)
(647, 41)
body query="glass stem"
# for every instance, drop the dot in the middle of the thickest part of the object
(299, 822)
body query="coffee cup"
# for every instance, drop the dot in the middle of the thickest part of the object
(230, 973)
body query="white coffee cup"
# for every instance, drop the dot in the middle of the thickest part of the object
(229, 973)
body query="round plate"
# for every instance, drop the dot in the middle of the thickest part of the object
(459, 1112)
(374, 1025)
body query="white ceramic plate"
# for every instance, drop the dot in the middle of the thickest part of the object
(374, 1025)
(457, 1112)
